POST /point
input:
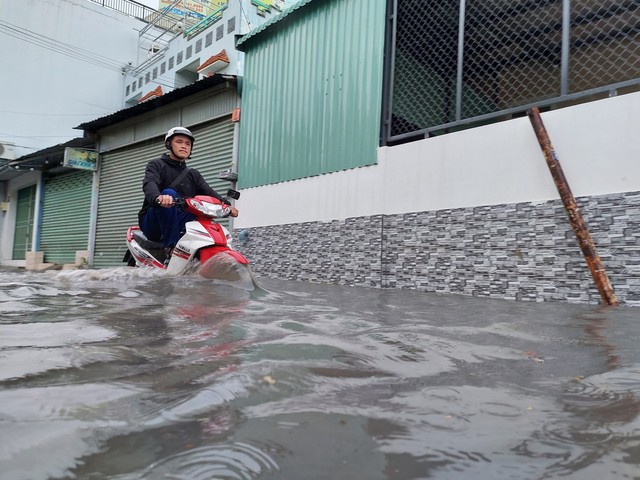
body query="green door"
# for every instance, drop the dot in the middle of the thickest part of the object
(24, 222)
(66, 212)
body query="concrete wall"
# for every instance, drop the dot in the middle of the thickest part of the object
(149, 71)
(597, 145)
(524, 251)
(473, 213)
(61, 66)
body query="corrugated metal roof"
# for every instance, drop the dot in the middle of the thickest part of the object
(45, 159)
(272, 21)
(154, 103)
(78, 142)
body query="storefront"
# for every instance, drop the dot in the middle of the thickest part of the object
(128, 139)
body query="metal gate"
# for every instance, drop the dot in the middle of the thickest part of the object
(66, 213)
(121, 173)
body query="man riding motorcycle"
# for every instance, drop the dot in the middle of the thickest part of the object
(166, 179)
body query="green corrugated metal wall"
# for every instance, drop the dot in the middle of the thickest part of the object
(312, 92)
(121, 175)
(66, 212)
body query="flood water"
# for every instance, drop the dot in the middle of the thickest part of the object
(124, 374)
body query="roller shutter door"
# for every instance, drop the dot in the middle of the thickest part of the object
(66, 213)
(120, 193)
(120, 198)
(213, 153)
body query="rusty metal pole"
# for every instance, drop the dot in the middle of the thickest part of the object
(575, 217)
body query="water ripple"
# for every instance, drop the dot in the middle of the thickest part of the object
(125, 375)
(201, 401)
(239, 461)
(52, 334)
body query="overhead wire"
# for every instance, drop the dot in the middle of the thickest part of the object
(56, 46)
(244, 14)
(68, 50)
(51, 114)
(71, 51)
(77, 53)
(33, 136)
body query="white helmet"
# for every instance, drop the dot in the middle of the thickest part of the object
(177, 131)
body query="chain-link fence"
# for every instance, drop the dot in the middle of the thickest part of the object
(462, 62)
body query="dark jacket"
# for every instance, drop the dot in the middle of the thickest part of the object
(160, 173)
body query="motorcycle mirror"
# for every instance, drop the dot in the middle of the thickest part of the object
(233, 194)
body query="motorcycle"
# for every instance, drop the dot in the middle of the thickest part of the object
(205, 247)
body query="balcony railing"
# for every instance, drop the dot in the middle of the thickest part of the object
(128, 7)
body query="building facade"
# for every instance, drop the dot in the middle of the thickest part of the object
(456, 196)
(386, 143)
(62, 73)
(135, 57)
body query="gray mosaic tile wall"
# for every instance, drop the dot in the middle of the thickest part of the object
(524, 251)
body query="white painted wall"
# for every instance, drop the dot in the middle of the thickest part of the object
(597, 144)
(61, 66)
(246, 19)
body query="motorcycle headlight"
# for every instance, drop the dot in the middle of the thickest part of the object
(209, 209)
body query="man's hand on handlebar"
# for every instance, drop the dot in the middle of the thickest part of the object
(165, 201)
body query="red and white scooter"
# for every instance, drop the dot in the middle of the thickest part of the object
(204, 248)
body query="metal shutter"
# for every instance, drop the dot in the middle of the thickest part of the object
(119, 199)
(120, 193)
(66, 213)
(213, 152)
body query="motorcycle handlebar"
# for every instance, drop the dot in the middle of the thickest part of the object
(182, 202)
(178, 202)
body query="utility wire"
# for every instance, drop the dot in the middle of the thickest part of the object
(62, 48)
(53, 114)
(34, 136)
(30, 148)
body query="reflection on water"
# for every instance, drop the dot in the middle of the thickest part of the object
(128, 374)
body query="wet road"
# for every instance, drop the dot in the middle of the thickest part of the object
(124, 374)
